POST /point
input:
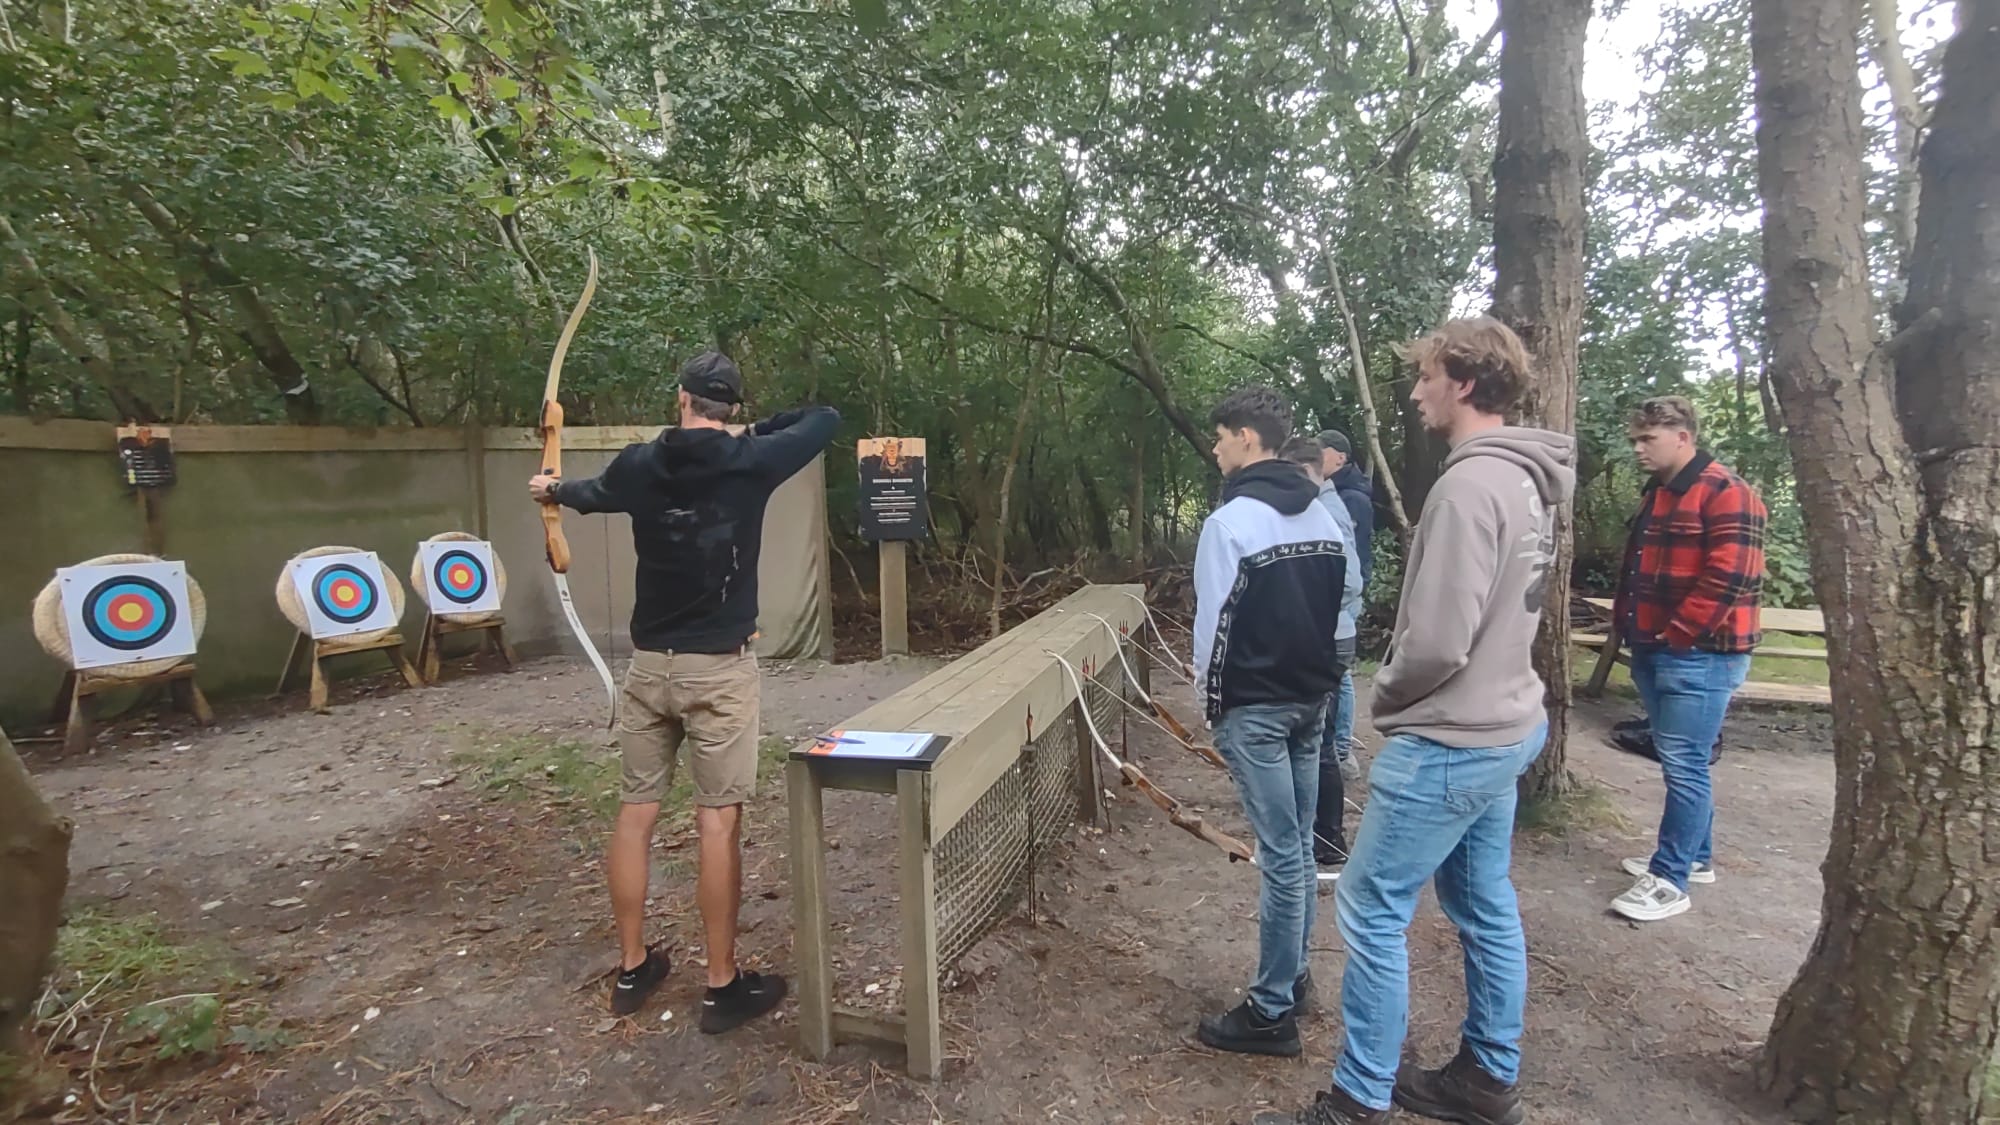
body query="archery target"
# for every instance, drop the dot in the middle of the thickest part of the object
(343, 594)
(459, 576)
(126, 613)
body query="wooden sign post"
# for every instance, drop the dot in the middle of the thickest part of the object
(895, 509)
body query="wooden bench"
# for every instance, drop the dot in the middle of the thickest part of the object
(993, 702)
(1805, 621)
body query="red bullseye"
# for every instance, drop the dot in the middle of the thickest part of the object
(130, 611)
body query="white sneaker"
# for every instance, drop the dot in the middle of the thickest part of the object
(1652, 899)
(1640, 865)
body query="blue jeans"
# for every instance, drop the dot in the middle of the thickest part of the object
(1339, 717)
(1686, 695)
(1449, 812)
(1273, 753)
(1330, 819)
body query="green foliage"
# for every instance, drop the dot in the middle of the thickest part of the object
(130, 954)
(182, 1026)
(1044, 236)
(131, 972)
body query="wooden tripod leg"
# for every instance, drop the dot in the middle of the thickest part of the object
(317, 700)
(76, 737)
(64, 695)
(506, 650)
(403, 665)
(198, 703)
(291, 661)
(429, 657)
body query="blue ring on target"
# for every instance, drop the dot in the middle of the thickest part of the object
(467, 591)
(128, 613)
(343, 578)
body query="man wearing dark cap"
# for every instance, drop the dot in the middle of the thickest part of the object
(1338, 469)
(696, 495)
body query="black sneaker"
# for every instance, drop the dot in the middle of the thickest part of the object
(629, 994)
(744, 999)
(1330, 1107)
(1242, 1030)
(1305, 998)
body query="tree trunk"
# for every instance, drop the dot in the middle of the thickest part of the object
(1886, 44)
(1399, 516)
(1136, 504)
(24, 342)
(34, 871)
(1892, 1018)
(1538, 169)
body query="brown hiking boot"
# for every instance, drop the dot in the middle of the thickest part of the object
(1330, 1107)
(1459, 1091)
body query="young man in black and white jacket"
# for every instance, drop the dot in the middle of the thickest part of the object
(1268, 578)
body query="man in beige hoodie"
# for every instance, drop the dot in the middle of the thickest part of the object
(1461, 708)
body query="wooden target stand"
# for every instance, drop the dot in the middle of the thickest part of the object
(80, 685)
(430, 646)
(440, 623)
(306, 650)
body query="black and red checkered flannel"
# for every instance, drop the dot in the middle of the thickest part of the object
(1694, 564)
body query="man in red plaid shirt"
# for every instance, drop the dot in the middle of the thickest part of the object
(1687, 606)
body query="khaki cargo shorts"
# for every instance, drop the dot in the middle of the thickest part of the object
(704, 702)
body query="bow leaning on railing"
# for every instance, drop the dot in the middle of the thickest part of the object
(1177, 813)
(550, 428)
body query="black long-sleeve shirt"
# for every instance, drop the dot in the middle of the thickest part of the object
(697, 498)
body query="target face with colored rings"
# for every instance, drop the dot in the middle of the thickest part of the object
(128, 613)
(459, 577)
(344, 594)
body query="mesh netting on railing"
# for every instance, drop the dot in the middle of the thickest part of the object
(985, 864)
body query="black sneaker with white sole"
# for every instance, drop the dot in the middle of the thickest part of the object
(629, 993)
(744, 999)
(1243, 1030)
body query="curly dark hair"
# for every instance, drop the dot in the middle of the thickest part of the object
(1261, 410)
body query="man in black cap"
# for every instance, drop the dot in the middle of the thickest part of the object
(696, 495)
(1337, 468)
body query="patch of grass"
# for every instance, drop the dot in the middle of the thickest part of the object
(1765, 669)
(130, 955)
(129, 972)
(1584, 806)
(1786, 671)
(568, 774)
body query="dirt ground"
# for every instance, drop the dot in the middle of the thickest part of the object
(429, 930)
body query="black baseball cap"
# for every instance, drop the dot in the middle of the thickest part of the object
(1336, 441)
(711, 375)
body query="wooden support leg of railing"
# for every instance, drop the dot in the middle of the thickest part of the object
(923, 1033)
(811, 934)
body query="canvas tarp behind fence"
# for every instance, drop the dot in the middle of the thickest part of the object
(248, 498)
